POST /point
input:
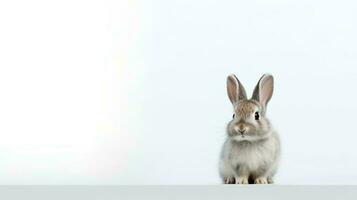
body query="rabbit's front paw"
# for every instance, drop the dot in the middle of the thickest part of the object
(229, 180)
(261, 180)
(242, 180)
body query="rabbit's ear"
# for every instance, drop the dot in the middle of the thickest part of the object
(264, 89)
(235, 89)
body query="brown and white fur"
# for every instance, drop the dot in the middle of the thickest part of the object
(251, 151)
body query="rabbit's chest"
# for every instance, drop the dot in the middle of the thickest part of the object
(252, 157)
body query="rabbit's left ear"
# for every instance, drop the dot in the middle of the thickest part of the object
(264, 89)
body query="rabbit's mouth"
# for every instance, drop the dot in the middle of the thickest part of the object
(250, 137)
(242, 137)
(247, 137)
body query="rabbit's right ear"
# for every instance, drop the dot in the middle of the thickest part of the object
(235, 89)
(264, 89)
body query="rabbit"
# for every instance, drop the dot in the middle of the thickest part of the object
(251, 151)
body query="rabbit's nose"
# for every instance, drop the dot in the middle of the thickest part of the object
(241, 130)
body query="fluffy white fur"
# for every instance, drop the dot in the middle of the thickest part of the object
(245, 159)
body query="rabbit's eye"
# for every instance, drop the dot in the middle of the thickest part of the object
(234, 116)
(256, 116)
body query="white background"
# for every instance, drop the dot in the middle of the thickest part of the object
(133, 92)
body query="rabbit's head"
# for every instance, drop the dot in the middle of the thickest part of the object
(249, 121)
